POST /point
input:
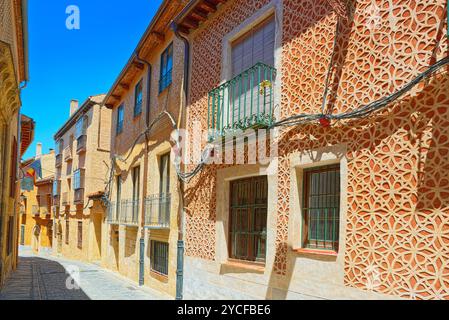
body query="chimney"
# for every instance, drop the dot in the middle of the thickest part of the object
(73, 106)
(38, 150)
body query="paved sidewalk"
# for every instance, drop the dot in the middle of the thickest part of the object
(44, 277)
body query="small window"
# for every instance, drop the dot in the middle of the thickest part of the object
(79, 128)
(67, 231)
(166, 68)
(159, 257)
(321, 211)
(80, 234)
(136, 192)
(164, 183)
(120, 118)
(138, 98)
(22, 235)
(59, 147)
(56, 188)
(77, 180)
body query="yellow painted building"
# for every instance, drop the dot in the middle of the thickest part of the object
(36, 220)
(81, 169)
(13, 73)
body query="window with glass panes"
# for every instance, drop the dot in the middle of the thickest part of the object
(120, 119)
(255, 46)
(136, 192)
(321, 210)
(77, 183)
(59, 146)
(166, 68)
(79, 127)
(159, 257)
(248, 219)
(138, 98)
(164, 183)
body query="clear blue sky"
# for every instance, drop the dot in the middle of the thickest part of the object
(75, 64)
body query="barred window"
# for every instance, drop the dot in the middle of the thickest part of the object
(322, 207)
(248, 221)
(159, 257)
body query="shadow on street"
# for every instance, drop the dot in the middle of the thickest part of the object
(41, 279)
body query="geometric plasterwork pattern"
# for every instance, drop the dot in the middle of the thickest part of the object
(398, 160)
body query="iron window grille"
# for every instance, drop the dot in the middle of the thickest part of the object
(321, 210)
(248, 220)
(159, 257)
(166, 68)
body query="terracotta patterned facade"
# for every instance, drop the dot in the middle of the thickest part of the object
(397, 164)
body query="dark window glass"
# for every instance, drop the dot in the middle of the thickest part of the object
(166, 68)
(138, 98)
(120, 118)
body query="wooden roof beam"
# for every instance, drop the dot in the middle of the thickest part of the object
(208, 6)
(138, 65)
(191, 23)
(199, 15)
(124, 86)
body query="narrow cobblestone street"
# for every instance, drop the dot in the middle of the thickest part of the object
(43, 277)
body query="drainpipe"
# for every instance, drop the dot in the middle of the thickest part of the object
(145, 175)
(180, 252)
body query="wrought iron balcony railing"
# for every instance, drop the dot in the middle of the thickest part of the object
(157, 211)
(246, 101)
(127, 212)
(113, 213)
(65, 199)
(79, 196)
(58, 160)
(81, 144)
(68, 154)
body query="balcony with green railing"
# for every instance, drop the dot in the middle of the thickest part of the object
(246, 101)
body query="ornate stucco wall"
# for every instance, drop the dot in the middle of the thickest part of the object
(397, 167)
